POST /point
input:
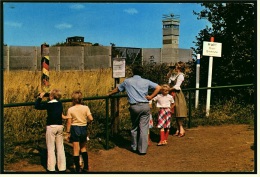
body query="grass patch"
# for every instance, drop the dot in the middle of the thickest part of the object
(24, 127)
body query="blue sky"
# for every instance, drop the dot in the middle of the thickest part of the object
(124, 24)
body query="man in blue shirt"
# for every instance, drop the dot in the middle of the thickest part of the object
(137, 88)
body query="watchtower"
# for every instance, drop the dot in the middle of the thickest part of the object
(171, 35)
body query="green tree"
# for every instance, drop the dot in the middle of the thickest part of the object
(234, 25)
(96, 44)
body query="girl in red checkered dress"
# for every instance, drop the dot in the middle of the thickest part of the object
(165, 103)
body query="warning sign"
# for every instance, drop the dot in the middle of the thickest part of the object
(118, 67)
(212, 49)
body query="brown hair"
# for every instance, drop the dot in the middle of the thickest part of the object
(181, 66)
(56, 94)
(77, 97)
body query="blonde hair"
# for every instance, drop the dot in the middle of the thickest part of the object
(77, 97)
(56, 94)
(165, 87)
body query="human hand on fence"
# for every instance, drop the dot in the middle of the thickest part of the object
(41, 95)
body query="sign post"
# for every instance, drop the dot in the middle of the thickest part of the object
(211, 49)
(197, 81)
(118, 72)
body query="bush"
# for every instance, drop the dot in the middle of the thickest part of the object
(226, 112)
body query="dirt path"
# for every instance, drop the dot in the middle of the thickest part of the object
(226, 148)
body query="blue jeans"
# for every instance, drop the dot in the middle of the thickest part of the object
(140, 116)
(54, 138)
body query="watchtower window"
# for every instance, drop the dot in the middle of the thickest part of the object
(171, 26)
(75, 39)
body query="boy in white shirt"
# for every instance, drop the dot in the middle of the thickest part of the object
(165, 102)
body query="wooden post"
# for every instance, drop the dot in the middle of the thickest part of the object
(115, 111)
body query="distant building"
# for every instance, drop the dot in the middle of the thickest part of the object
(77, 40)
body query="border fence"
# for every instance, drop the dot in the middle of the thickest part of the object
(107, 99)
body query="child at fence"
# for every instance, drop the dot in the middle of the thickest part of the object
(54, 130)
(164, 101)
(79, 116)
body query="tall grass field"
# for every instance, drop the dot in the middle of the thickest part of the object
(26, 126)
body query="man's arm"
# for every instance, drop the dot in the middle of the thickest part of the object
(38, 105)
(115, 90)
(155, 92)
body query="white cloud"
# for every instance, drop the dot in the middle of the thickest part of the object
(14, 24)
(131, 11)
(77, 6)
(63, 26)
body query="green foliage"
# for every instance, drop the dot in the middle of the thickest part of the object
(60, 44)
(224, 112)
(156, 73)
(234, 25)
(96, 44)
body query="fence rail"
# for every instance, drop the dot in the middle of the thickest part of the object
(107, 98)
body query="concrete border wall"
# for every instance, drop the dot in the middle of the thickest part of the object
(82, 57)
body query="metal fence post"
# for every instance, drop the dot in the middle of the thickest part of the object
(35, 59)
(189, 125)
(58, 59)
(82, 59)
(107, 115)
(8, 59)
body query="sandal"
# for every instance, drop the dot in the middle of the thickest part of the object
(177, 133)
(165, 142)
(181, 135)
(161, 143)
